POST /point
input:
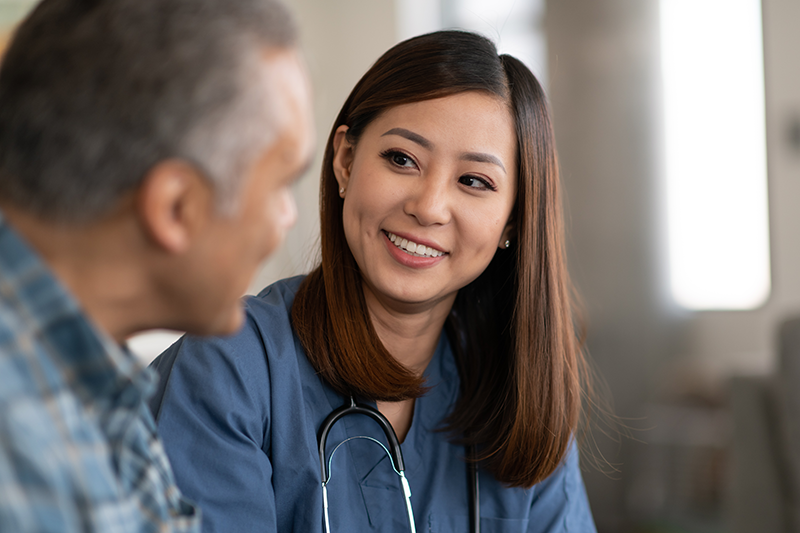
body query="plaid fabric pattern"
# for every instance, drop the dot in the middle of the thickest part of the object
(78, 446)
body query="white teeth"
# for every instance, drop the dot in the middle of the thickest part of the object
(413, 248)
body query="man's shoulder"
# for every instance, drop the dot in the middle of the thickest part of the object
(22, 371)
(46, 430)
(37, 408)
(59, 472)
(48, 450)
(69, 465)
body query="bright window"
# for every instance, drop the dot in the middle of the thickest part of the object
(716, 170)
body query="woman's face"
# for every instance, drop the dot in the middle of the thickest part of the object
(428, 191)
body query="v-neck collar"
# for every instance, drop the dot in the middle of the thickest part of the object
(441, 379)
(430, 410)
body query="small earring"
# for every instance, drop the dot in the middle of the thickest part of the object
(508, 244)
(341, 192)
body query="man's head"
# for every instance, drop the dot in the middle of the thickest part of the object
(194, 113)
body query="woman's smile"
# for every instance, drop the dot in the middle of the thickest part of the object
(413, 247)
(400, 251)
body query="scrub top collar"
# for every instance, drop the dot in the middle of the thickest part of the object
(441, 378)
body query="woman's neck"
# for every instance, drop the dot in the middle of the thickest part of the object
(410, 333)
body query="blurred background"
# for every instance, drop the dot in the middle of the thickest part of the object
(678, 128)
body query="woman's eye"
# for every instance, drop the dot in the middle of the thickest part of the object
(475, 182)
(399, 159)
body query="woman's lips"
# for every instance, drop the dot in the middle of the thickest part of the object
(413, 248)
(412, 259)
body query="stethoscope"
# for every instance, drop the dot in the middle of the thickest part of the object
(395, 456)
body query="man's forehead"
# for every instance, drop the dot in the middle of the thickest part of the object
(289, 99)
(292, 93)
(287, 69)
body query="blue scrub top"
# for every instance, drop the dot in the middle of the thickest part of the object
(239, 417)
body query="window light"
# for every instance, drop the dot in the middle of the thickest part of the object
(716, 170)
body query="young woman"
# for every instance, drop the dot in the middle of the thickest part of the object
(439, 313)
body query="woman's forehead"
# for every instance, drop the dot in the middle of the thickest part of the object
(472, 121)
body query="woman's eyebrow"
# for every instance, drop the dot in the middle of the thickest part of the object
(478, 157)
(411, 136)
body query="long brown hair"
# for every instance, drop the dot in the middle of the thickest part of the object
(511, 329)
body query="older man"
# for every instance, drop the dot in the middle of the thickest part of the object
(147, 149)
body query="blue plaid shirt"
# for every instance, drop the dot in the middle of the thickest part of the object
(78, 446)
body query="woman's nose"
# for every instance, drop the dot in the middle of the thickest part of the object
(430, 200)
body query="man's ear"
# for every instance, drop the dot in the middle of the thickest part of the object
(343, 152)
(173, 202)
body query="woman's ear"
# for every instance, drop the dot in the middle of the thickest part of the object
(343, 152)
(506, 237)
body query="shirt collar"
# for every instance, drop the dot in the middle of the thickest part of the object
(95, 367)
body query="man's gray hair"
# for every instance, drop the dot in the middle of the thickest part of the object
(94, 93)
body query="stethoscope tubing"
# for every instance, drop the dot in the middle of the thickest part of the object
(396, 455)
(355, 408)
(474, 490)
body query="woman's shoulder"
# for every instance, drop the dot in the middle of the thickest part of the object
(268, 319)
(264, 350)
(266, 326)
(280, 293)
(274, 302)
